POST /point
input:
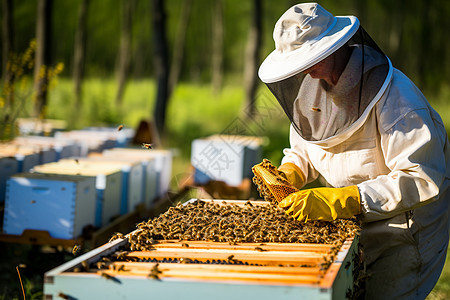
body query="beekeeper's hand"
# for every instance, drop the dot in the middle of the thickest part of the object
(324, 204)
(293, 174)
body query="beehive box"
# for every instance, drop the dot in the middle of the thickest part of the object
(58, 148)
(132, 179)
(122, 137)
(27, 157)
(162, 165)
(174, 269)
(37, 126)
(92, 140)
(8, 167)
(227, 158)
(149, 183)
(62, 205)
(108, 185)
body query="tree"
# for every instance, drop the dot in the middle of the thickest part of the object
(80, 51)
(178, 50)
(217, 46)
(161, 64)
(8, 33)
(125, 49)
(43, 55)
(252, 53)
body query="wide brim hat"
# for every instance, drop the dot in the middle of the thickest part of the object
(304, 35)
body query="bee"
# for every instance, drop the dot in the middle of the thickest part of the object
(147, 146)
(100, 265)
(76, 249)
(121, 255)
(120, 128)
(185, 245)
(121, 268)
(116, 236)
(315, 109)
(109, 277)
(77, 161)
(231, 257)
(85, 265)
(154, 273)
(260, 249)
(63, 296)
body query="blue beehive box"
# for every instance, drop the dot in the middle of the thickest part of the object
(132, 179)
(108, 183)
(158, 163)
(60, 204)
(8, 167)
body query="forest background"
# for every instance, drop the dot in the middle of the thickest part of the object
(188, 66)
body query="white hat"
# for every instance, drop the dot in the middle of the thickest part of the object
(304, 35)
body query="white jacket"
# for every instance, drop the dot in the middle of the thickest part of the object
(398, 155)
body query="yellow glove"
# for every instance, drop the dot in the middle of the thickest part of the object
(324, 204)
(293, 174)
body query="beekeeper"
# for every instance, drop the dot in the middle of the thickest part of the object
(364, 129)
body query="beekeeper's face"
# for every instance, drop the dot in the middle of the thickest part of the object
(323, 69)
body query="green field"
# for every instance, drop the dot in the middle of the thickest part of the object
(194, 111)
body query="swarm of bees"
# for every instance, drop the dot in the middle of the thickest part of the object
(271, 184)
(208, 221)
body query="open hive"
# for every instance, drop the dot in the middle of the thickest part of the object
(253, 247)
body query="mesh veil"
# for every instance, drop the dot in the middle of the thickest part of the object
(318, 110)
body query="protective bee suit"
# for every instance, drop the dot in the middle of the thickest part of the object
(375, 142)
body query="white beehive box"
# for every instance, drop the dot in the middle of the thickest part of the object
(37, 126)
(108, 185)
(62, 205)
(227, 158)
(27, 157)
(162, 165)
(132, 173)
(265, 271)
(122, 137)
(61, 148)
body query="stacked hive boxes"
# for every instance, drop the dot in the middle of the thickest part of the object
(157, 164)
(123, 179)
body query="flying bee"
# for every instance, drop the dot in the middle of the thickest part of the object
(76, 249)
(77, 161)
(120, 128)
(147, 146)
